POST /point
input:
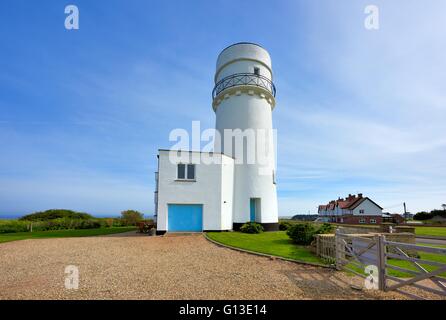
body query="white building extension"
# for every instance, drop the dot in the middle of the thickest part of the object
(193, 195)
(210, 186)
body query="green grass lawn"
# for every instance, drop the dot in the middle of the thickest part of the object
(430, 231)
(6, 237)
(272, 243)
(423, 255)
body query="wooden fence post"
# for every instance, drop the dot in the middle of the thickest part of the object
(381, 250)
(338, 249)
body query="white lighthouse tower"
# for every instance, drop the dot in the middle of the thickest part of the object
(243, 101)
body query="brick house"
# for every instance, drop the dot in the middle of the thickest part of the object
(351, 210)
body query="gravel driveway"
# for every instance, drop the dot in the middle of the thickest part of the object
(129, 266)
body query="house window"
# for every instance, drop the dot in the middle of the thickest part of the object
(372, 220)
(361, 211)
(185, 172)
(361, 220)
(257, 71)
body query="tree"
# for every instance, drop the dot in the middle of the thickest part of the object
(438, 212)
(444, 206)
(131, 217)
(423, 215)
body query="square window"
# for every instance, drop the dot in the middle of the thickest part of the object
(361, 211)
(372, 220)
(361, 220)
(181, 173)
(191, 171)
(257, 71)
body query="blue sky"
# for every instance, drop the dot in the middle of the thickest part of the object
(82, 113)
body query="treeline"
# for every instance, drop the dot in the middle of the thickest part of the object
(305, 217)
(423, 215)
(62, 219)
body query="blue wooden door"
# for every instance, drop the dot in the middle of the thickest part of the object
(185, 217)
(252, 207)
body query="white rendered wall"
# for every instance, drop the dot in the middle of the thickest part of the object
(227, 192)
(248, 111)
(212, 185)
(370, 209)
(251, 53)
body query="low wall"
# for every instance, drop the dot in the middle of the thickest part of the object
(383, 228)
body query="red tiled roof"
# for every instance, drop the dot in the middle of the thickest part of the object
(350, 202)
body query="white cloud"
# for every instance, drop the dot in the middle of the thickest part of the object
(379, 126)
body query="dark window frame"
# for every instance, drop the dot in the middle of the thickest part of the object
(183, 171)
(186, 169)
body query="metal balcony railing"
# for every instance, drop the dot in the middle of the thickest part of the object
(244, 79)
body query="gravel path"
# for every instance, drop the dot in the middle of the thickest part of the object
(128, 266)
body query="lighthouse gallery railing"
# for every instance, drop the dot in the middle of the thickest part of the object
(243, 79)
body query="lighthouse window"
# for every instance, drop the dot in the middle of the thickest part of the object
(257, 71)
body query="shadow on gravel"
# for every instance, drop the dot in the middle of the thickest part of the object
(325, 285)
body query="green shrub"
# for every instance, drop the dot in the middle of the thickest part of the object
(90, 224)
(107, 222)
(325, 228)
(55, 214)
(251, 227)
(284, 225)
(131, 217)
(10, 226)
(302, 233)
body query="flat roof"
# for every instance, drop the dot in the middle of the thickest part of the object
(235, 44)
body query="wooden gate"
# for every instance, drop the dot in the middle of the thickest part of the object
(402, 267)
(423, 274)
(355, 253)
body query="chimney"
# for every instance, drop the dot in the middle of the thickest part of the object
(359, 195)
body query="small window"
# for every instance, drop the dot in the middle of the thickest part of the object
(372, 220)
(361, 220)
(361, 211)
(191, 171)
(181, 171)
(257, 71)
(186, 171)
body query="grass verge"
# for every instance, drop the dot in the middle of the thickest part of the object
(430, 231)
(272, 243)
(6, 237)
